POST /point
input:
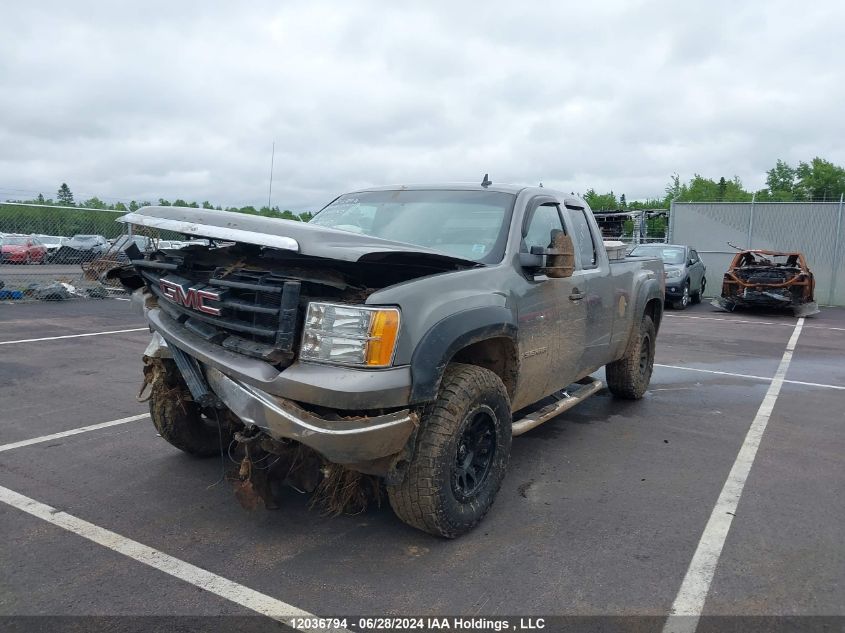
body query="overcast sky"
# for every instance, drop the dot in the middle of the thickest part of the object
(179, 99)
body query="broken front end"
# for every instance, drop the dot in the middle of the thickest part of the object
(271, 356)
(770, 280)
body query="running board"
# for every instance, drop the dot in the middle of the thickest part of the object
(588, 386)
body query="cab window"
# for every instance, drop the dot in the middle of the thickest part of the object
(544, 220)
(583, 237)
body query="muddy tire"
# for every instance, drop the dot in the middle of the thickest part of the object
(180, 421)
(461, 454)
(629, 376)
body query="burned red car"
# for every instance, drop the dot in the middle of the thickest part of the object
(768, 279)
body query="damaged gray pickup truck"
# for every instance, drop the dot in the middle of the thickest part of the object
(400, 338)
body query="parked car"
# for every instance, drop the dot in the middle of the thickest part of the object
(769, 279)
(404, 333)
(53, 243)
(684, 271)
(22, 249)
(81, 248)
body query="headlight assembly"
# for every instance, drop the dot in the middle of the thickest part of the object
(673, 273)
(350, 335)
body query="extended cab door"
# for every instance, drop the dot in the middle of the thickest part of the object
(551, 315)
(593, 279)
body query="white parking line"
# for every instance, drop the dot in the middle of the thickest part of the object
(76, 431)
(689, 603)
(55, 338)
(218, 585)
(728, 373)
(749, 321)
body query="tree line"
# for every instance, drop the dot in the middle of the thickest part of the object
(819, 180)
(65, 198)
(16, 217)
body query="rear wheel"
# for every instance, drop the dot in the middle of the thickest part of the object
(696, 296)
(461, 454)
(178, 419)
(629, 376)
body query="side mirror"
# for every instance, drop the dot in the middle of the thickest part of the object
(556, 261)
(690, 262)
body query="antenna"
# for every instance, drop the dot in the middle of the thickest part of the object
(270, 193)
(486, 182)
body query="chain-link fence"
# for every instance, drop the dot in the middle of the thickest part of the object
(54, 253)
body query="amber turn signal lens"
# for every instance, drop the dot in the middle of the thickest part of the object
(384, 331)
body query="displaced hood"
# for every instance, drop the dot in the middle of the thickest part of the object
(289, 235)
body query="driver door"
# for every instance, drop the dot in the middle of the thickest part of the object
(552, 316)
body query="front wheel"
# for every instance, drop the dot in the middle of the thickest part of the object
(629, 376)
(685, 300)
(180, 420)
(461, 454)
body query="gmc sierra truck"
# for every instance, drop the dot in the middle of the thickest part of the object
(405, 333)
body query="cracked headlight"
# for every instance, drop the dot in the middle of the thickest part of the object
(350, 335)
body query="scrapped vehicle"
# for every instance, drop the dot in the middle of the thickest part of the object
(403, 334)
(685, 272)
(769, 279)
(22, 249)
(81, 248)
(95, 269)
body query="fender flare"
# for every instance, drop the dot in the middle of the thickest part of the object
(449, 335)
(649, 290)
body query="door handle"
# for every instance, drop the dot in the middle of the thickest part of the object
(576, 295)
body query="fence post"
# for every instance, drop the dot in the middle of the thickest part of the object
(751, 223)
(671, 228)
(837, 248)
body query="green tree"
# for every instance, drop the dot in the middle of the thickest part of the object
(820, 180)
(94, 203)
(64, 195)
(622, 202)
(207, 205)
(780, 180)
(601, 201)
(673, 189)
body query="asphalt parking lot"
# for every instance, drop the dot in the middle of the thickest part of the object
(604, 511)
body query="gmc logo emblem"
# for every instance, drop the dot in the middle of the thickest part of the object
(190, 298)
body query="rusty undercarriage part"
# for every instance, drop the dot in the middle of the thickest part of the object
(768, 279)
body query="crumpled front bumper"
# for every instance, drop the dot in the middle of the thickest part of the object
(340, 439)
(343, 441)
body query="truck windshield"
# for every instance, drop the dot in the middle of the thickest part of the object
(669, 254)
(467, 224)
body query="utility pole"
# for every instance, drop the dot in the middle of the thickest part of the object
(270, 193)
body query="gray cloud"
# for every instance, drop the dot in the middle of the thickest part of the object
(185, 99)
